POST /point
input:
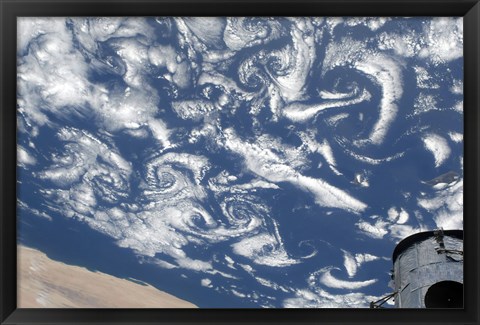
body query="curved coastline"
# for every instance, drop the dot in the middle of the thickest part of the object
(45, 283)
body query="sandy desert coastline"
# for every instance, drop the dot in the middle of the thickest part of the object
(45, 283)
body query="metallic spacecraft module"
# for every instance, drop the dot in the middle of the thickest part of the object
(428, 270)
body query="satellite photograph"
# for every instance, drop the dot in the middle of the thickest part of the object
(245, 162)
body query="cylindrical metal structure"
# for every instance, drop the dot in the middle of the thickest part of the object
(428, 270)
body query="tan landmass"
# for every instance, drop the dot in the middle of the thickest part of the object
(45, 283)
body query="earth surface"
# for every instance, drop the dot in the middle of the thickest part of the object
(239, 162)
(46, 283)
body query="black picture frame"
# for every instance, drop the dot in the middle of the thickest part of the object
(10, 10)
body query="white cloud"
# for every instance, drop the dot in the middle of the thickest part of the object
(52, 75)
(361, 179)
(264, 249)
(349, 263)
(424, 79)
(192, 109)
(392, 214)
(317, 296)
(373, 23)
(192, 264)
(343, 52)
(406, 44)
(370, 160)
(363, 258)
(270, 284)
(456, 137)
(265, 163)
(440, 41)
(388, 75)
(305, 298)
(160, 131)
(296, 61)
(444, 39)
(328, 195)
(23, 206)
(178, 69)
(424, 103)
(238, 294)
(238, 32)
(330, 281)
(230, 262)
(299, 112)
(352, 263)
(403, 217)
(376, 231)
(438, 146)
(457, 87)
(24, 157)
(208, 29)
(446, 205)
(256, 184)
(402, 231)
(324, 149)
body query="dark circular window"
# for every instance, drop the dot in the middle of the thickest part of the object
(445, 294)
